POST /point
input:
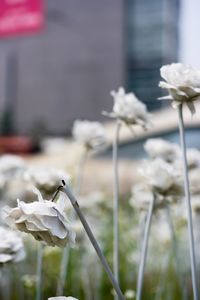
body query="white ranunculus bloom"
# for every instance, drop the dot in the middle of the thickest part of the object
(129, 109)
(91, 134)
(162, 179)
(62, 298)
(46, 179)
(45, 220)
(11, 246)
(182, 83)
(161, 148)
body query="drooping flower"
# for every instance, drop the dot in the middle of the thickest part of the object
(45, 220)
(91, 134)
(62, 298)
(11, 246)
(128, 109)
(160, 148)
(46, 179)
(182, 83)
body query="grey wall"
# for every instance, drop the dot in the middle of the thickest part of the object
(68, 70)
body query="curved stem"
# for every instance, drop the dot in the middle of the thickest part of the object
(93, 241)
(66, 251)
(144, 250)
(39, 272)
(116, 205)
(188, 204)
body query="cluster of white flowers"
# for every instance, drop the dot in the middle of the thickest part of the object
(182, 83)
(11, 246)
(46, 179)
(45, 220)
(91, 134)
(128, 109)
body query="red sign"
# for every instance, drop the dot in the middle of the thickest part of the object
(20, 16)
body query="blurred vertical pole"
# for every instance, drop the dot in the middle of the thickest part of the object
(11, 70)
(116, 205)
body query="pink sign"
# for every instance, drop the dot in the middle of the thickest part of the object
(20, 17)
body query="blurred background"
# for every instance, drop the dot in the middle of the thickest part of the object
(63, 66)
(59, 60)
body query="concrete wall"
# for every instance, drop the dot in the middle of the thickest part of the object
(68, 70)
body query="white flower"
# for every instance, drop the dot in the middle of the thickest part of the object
(46, 179)
(62, 298)
(182, 83)
(162, 180)
(159, 174)
(157, 147)
(11, 246)
(45, 220)
(128, 109)
(91, 134)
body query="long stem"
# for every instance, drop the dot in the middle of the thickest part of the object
(116, 205)
(39, 272)
(66, 251)
(93, 241)
(175, 249)
(188, 204)
(144, 250)
(162, 282)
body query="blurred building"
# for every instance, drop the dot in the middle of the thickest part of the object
(86, 49)
(151, 35)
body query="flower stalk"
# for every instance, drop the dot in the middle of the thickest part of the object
(93, 241)
(116, 204)
(144, 249)
(188, 203)
(39, 272)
